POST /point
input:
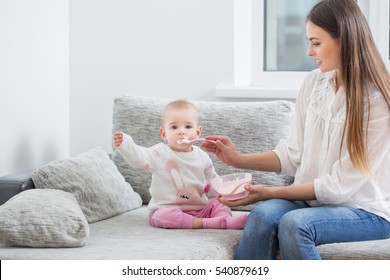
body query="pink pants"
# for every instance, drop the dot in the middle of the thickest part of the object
(173, 217)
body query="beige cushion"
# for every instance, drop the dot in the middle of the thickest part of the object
(94, 180)
(43, 218)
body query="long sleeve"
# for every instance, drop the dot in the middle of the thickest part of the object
(290, 150)
(138, 156)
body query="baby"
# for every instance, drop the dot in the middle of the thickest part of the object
(180, 172)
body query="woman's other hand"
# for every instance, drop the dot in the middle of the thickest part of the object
(256, 193)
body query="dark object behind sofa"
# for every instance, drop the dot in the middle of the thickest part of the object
(11, 185)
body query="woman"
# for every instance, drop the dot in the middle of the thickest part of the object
(338, 149)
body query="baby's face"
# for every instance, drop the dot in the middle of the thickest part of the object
(180, 124)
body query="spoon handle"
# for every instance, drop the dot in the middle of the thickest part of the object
(203, 139)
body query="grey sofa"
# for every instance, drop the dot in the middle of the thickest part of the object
(126, 234)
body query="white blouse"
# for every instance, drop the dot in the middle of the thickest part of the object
(311, 151)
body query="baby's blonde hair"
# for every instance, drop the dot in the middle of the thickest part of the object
(178, 104)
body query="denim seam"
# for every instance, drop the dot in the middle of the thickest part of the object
(271, 242)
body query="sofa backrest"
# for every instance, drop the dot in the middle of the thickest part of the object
(253, 127)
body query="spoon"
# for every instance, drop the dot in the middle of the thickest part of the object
(188, 141)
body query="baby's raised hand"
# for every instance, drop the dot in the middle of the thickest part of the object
(118, 138)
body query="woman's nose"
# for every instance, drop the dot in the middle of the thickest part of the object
(310, 52)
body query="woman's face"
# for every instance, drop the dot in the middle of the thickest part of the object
(323, 48)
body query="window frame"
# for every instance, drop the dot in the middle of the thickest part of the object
(250, 81)
(379, 30)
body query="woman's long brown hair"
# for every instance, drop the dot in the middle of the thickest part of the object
(361, 69)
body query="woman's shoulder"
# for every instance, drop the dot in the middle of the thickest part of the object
(309, 83)
(377, 102)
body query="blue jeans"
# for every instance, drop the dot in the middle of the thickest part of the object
(296, 228)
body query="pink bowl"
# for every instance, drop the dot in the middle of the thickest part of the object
(231, 186)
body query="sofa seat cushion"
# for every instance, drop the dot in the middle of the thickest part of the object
(130, 237)
(362, 250)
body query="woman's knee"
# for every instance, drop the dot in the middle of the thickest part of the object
(293, 225)
(297, 234)
(258, 213)
(268, 212)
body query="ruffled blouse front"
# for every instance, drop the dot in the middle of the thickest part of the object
(311, 153)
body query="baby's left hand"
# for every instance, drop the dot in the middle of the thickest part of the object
(118, 138)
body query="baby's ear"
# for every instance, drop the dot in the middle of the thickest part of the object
(199, 130)
(162, 133)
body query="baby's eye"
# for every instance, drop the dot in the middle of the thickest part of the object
(174, 127)
(189, 126)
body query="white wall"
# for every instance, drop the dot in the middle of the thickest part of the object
(34, 83)
(64, 61)
(164, 48)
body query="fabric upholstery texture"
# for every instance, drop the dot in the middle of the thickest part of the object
(94, 180)
(43, 218)
(253, 127)
(130, 237)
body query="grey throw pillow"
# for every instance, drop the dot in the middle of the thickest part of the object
(43, 218)
(253, 127)
(94, 180)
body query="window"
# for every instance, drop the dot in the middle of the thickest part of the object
(270, 45)
(284, 35)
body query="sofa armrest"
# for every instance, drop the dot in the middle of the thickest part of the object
(11, 185)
